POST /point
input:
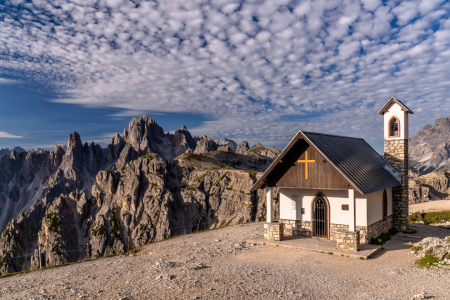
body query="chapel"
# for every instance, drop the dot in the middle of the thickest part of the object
(339, 188)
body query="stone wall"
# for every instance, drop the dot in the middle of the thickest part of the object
(303, 228)
(396, 154)
(346, 240)
(379, 227)
(297, 228)
(335, 228)
(274, 231)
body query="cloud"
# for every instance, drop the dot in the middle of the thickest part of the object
(9, 135)
(252, 67)
(8, 81)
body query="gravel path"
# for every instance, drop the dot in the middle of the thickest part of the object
(218, 264)
(430, 206)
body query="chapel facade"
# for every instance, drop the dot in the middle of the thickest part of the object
(339, 188)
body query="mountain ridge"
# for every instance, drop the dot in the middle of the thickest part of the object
(138, 189)
(429, 147)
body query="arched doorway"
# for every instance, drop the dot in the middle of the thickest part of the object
(320, 217)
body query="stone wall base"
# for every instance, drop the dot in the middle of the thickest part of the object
(382, 226)
(296, 228)
(347, 240)
(274, 231)
(303, 228)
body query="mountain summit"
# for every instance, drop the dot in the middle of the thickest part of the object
(145, 186)
(429, 147)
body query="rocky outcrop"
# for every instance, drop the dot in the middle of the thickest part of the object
(144, 186)
(226, 145)
(23, 178)
(429, 147)
(435, 247)
(149, 199)
(257, 145)
(242, 148)
(432, 186)
(204, 144)
(7, 151)
(418, 193)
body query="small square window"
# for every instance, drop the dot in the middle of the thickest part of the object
(303, 210)
(344, 206)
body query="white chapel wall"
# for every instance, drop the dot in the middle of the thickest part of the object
(290, 210)
(375, 206)
(395, 110)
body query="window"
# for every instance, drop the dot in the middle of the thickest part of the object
(385, 205)
(394, 127)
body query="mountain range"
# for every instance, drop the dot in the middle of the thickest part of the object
(429, 147)
(8, 151)
(146, 185)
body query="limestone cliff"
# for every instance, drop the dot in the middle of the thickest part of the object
(98, 201)
(432, 186)
(429, 147)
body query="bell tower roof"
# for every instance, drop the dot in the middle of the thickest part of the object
(391, 101)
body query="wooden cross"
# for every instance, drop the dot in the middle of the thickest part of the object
(306, 161)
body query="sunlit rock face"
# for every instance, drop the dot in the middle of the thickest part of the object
(429, 147)
(145, 186)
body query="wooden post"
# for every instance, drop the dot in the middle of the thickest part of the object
(39, 256)
(269, 213)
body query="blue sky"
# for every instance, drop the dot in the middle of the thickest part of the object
(254, 70)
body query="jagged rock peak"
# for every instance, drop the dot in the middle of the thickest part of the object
(257, 145)
(116, 139)
(183, 128)
(226, 145)
(144, 133)
(74, 140)
(8, 150)
(429, 147)
(242, 148)
(125, 134)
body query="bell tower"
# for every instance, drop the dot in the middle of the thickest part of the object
(396, 154)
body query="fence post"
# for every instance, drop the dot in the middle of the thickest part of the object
(39, 256)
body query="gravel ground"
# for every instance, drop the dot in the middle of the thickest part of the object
(437, 205)
(218, 264)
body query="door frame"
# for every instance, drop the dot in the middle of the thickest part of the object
(320, 194)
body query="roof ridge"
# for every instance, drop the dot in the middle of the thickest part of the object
(335, 135)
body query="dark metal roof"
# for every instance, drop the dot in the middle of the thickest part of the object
(393, 100)
(354, 158)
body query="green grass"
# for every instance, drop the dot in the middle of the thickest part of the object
(384, 237)
(257, 149)
(430, 217)
(100, 230)
(222, 177)
(195, 156)
(414, 248)
(427, 261)
(114, 228)
(52, 218)
(145, 155)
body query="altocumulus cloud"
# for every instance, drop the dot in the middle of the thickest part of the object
(258, 69)
(9, 135)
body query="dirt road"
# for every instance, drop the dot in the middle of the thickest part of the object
(219, 265)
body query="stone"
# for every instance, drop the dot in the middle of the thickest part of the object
(395, 149)
(419, 296)
(125, 195)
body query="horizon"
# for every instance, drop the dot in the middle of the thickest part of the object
(254, 71)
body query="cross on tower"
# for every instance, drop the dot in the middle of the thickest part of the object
(306, 161)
